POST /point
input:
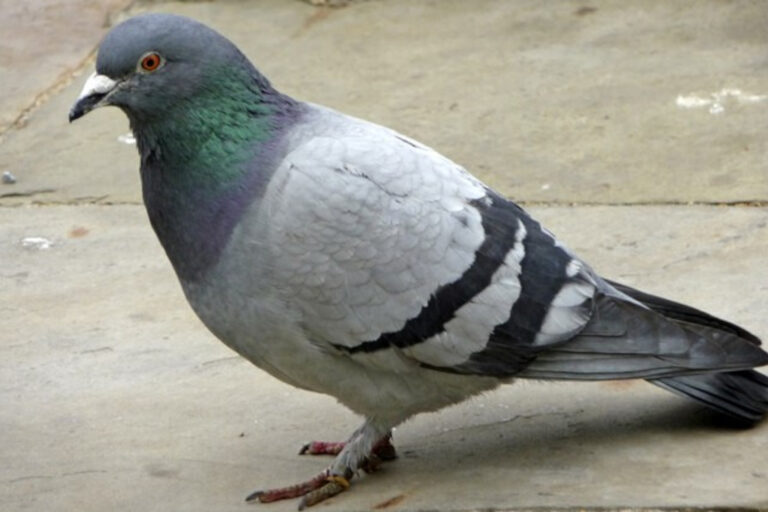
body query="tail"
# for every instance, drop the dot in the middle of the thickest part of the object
(740, 394)
(633, 334)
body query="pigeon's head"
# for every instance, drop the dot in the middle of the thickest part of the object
(150, 63)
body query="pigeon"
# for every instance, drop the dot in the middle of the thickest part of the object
(345, 258)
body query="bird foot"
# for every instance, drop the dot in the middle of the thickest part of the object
(326, 484)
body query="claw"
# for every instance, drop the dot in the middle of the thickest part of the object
(254, 495)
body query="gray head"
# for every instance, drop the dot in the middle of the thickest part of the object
(207, 126)
(149, 63)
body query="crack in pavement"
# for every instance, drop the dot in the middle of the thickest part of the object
(508, 420)
(49, 477)
(28, 193)
(62, 81)
(66, 78)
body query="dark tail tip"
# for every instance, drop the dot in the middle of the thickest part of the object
(742, 394)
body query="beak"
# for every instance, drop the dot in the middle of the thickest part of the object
(96, 88)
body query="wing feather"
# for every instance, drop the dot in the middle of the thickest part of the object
(435, 267)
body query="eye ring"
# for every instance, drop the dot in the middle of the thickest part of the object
(150, 62)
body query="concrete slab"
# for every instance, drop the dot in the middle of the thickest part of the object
(607, 102)
(116, 398)
(43, 43)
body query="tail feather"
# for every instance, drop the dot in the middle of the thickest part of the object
(742, 394)
(626, 339)
(681, 313)
(633, 334)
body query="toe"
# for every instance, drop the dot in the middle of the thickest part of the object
(335, 484)
(322, 448)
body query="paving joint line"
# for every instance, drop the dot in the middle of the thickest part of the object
(95, 202)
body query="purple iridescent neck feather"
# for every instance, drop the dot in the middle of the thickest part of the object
(202, 168)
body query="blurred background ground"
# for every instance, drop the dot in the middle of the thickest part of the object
(634, 130)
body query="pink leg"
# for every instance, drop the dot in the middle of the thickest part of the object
(383, 449)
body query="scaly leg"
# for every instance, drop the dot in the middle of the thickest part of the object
(383, 449)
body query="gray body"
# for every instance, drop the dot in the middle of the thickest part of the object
(270, 323)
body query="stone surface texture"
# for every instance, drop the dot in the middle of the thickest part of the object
(635, 130)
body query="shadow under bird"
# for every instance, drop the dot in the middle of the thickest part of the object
(345, 258)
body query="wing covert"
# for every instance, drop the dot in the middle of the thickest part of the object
(393, 252)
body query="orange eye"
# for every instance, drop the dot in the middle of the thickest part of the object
(151, 61)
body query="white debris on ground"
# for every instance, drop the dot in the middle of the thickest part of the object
(36, 242)
(716, 101)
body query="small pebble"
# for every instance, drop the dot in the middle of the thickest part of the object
(8, 178)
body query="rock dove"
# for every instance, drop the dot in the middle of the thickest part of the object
(347, 259)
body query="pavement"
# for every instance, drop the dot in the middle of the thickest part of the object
(635, 130)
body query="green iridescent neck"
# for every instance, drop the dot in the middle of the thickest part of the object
(202, 167)
(211, 132)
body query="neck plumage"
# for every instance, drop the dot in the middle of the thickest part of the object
(204, 166)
